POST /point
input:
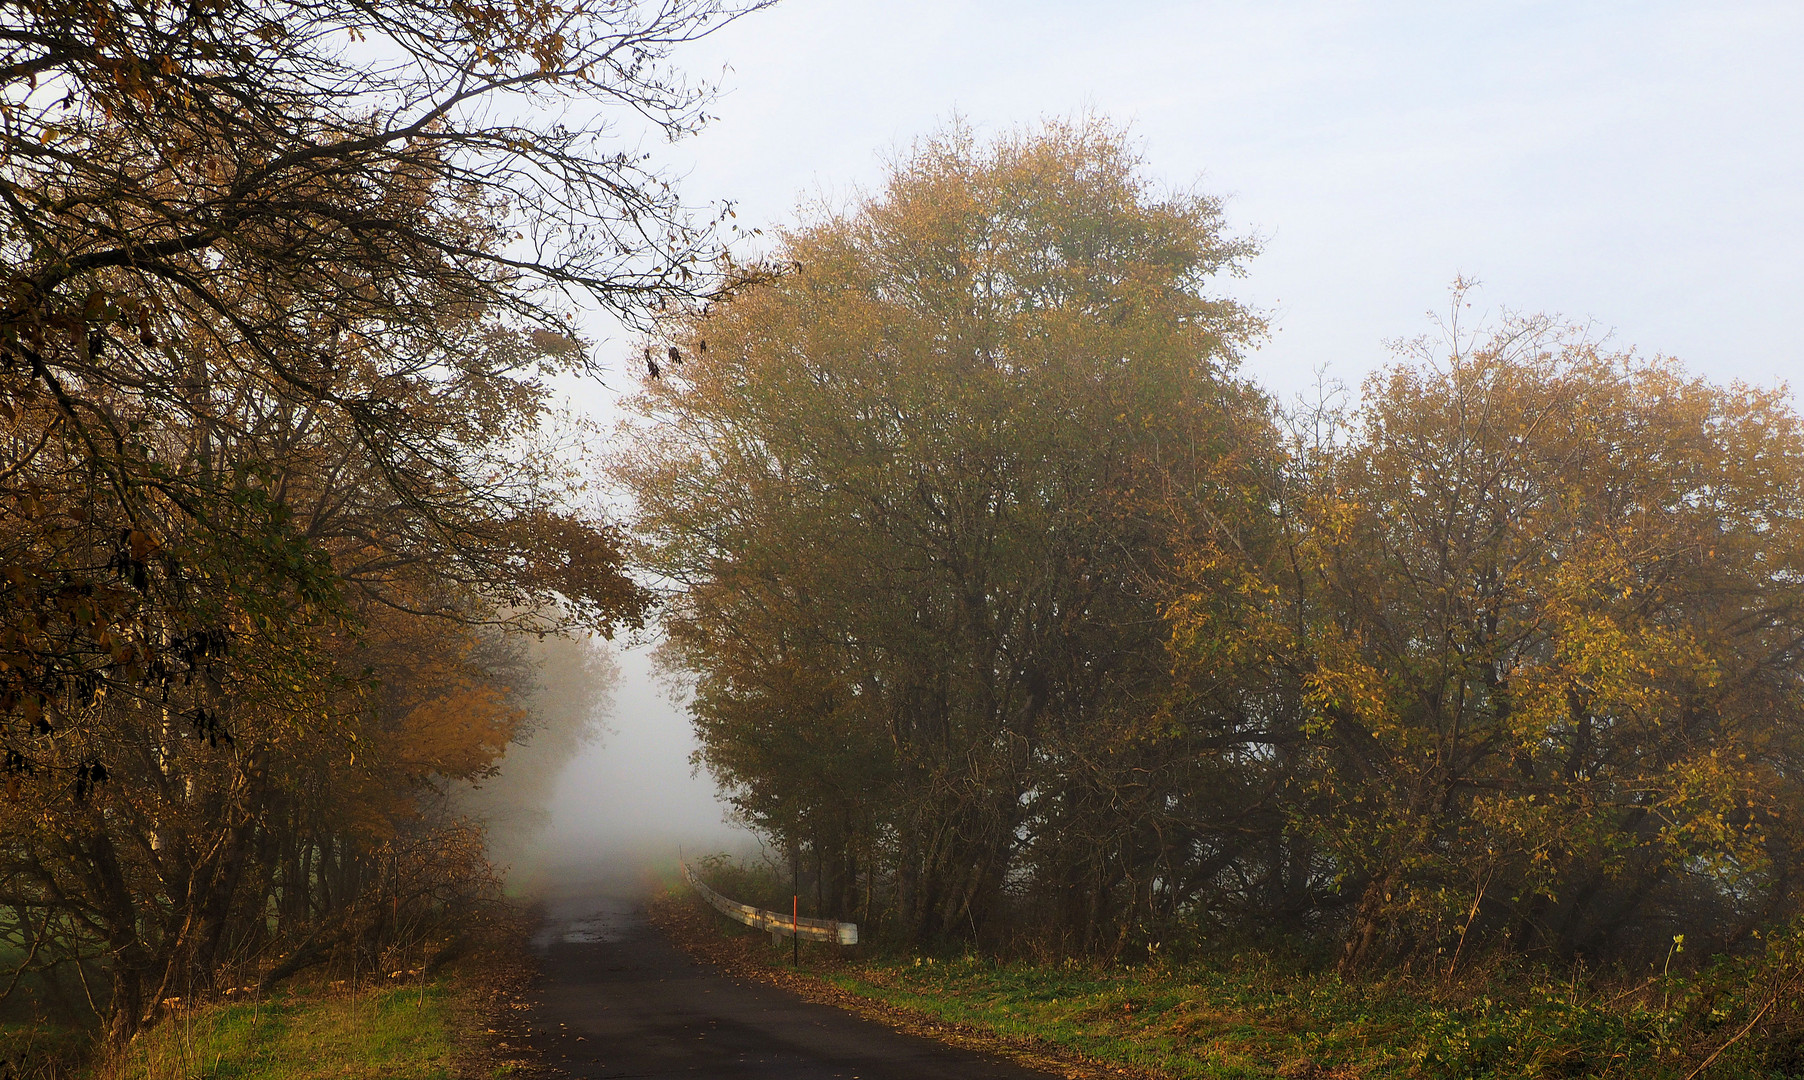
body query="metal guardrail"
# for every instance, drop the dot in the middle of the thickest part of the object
(777, 923)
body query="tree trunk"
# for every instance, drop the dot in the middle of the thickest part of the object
(1369, 924)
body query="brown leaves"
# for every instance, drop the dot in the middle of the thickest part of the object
(141, 544)
(266, 378)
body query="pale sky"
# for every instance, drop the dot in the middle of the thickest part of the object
(1639, 166)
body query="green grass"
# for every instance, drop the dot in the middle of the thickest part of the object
(401, 1033)
(1256, 1013)
(1252, 1017)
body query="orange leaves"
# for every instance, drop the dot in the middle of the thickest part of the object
(141, 543)
(583, 561)
(440, 710)
(457, 731)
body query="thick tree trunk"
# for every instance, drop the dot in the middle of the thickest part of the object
(125, 1008)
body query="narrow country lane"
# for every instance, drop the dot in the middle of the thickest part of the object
(616, 999)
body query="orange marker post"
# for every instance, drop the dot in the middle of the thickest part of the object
(795, 931)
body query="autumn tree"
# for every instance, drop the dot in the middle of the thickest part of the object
(1546, 607)
(278, 280)
(275, 747)
(308, 204)
(915, 494)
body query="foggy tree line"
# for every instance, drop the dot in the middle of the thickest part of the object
(1016, 609)
(281, 284)
(1021, 617)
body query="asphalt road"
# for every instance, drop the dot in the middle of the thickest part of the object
(615, 999)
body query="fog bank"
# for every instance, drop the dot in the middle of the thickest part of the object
(566, 686)
(629, 800)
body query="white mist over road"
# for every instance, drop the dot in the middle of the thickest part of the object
(631, 798)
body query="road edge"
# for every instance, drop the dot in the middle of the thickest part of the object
(701, 933)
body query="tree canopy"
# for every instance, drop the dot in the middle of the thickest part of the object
(281, 284)
(917, 493)
(1018, 615)
(1547, 603)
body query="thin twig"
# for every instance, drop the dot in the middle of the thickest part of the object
(1473, 914)
(1737, 1038)
(24, 964)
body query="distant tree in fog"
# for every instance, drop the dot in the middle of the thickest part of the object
(565, 688)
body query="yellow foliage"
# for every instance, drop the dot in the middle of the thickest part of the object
(1545, 603)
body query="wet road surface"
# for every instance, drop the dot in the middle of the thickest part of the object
(616, 999)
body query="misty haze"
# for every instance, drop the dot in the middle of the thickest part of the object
(815, 538)
(627, 799)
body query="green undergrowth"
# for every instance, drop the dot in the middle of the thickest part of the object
(1251, 1017)
(1256, 1014)
(402, 1032)
(1243, 1020)
(307, 1032)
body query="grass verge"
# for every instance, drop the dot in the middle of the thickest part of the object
(1253, 1016)
(445, 1027)
(304, 1033)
